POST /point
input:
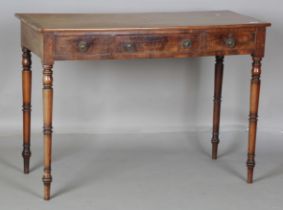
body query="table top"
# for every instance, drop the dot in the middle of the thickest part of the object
(133, 21)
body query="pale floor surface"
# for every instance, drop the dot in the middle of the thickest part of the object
(167, 171)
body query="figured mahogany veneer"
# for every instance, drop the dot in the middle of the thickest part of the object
(145, 35)
(122, 46)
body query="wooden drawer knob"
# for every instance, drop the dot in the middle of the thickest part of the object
(129, 47)
(187, 43)
(83, 46)
(230, 42)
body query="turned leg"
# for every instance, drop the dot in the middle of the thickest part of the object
(217, 104)
(47, 127)
(254, 101)
(26, 89)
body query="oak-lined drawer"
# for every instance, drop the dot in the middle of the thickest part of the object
(231, 40)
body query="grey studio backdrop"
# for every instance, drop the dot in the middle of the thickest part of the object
(157, 95)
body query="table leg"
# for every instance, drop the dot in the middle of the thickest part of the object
(254, 101)
(26, 91)
(47, 127)
(217, 104)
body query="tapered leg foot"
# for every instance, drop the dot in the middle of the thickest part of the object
(217, 104)
(26, 156)
(250, 176)
(250, 173)
(254, 101)
(214, 149)
(47, 127)
(26, 166)
(47, 179)
(26, 91)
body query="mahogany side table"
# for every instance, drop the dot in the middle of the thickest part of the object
(55, 37)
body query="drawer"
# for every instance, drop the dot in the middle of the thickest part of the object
(156, 45)
(120, 46)
(231, 40)
(83, 46)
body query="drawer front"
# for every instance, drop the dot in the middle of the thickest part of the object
(83, 47)
(126, 46)
(227, 40)
(156, 45)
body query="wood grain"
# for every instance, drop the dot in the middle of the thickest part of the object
(26, 92)
(115, 47)
(47, 126)
(253, 116)
(218, 78)
(137, 21)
